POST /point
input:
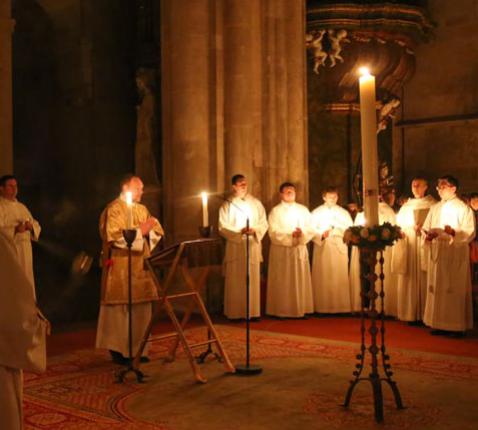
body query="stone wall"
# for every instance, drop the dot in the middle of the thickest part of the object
(438, 131)
(74, 130)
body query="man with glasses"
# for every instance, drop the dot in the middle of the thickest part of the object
(448, 229)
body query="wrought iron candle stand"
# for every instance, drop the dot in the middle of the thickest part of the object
(376, 329)
(129, 236)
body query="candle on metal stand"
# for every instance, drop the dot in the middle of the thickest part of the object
(205, 214)
(368, 128)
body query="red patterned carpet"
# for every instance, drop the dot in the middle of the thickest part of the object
(302, 386)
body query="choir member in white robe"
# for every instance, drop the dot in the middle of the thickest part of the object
(408, 253)
(385, 214)
(112, 332)
(22, 335)
(330, 279)
(289, 284)
(17, 222)
(449, 228)
(233, 216)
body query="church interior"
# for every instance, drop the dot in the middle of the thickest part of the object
(185, 94)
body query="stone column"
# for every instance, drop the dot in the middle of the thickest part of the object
(265, 94)
(6, 116)
(186, 100)
(233, 101)
(285, 114)
(242, 88)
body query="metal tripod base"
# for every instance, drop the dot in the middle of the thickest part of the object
(377, 395)
(248, 370)
(121, 375)
(201, 358)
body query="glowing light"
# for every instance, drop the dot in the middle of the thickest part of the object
(364, 71)
(205, 213)
(129, 203)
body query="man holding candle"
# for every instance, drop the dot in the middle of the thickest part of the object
(289, 285)
(240, 216)
(126, 212)
(449, 228)
(407, 256)
(330, 280)
(17, 223)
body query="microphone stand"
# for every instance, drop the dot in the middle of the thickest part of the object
(129, 236)
(247, 369)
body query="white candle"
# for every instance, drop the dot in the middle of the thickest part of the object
(129, 204)
(368, 128)
(205, 214)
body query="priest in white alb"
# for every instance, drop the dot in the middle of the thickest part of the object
(407, 258)
(289, 284)
(385, 214)
(449, 228)
(330, 279)
(22, 335)
(241, 216)
(112, 333)
(17, 223)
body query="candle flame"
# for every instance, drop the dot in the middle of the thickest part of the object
(129, 198)
(364, 71)
(204, 196)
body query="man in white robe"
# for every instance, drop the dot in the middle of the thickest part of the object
(408, 253)
(289, 284)
(112, 332)
(330, 279)
(385, 214)
(22, 335)
(233, 216)
(17, 223)
(449, 228)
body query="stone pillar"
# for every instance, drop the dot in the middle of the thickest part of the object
(186, 100)
(265, 94)
(233, 101)
(284, 111)
(6, 116)
(242, 87)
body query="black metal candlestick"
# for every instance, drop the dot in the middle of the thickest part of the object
(369, 308)
(129, 236)
(247, 369)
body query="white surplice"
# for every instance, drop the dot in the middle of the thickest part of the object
(233, 216)
(449, 303)
(289, 285)
(22, 335)
(407, 260)
(385, 214)
(330, 280)
(12, 212)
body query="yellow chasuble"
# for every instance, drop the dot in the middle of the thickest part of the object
(114, 283)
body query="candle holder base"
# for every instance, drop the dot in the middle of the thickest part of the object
(248, 370)
(205, 231)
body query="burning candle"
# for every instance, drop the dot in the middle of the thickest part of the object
(205, 215)
(129, 204)
(368, 128)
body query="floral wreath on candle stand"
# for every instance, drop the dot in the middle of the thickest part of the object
(376, 237)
